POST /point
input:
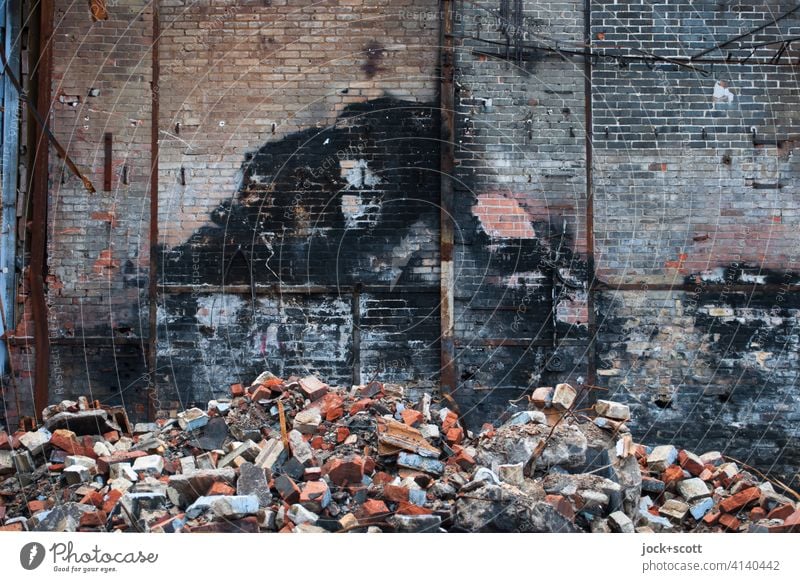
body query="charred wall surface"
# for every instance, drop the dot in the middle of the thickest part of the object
(332, 246)
(520, 240)
(299, 209)
(696, 188)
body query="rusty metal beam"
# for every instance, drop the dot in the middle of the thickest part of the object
(153, 274)
(356, 347)
(447, 168)
(108, 152)
(38, 198)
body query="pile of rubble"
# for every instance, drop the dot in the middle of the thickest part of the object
(296, 455)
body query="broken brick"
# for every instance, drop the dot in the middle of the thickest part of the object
(110, 500)
(729, 522)
(455, 435)
(672, 474)
(395, 493)
(742, 499)
(372, 510)
(221, 488)
(781, 512)
(691, 463)
(342, 433)
(562, 505)
(344, 472)
(411, 417)
(360, 406)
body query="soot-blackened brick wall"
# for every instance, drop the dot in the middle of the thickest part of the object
(520, 262)
(678, 176)
(695, 182)
(299, 150)
(349, 213)
(299, 218)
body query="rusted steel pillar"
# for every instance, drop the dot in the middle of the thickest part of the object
(153, 275)
(38, 232)
(447, 167)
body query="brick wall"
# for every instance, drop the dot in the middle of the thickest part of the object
(97, 244)
(692, 188)
(520, 205)
(298, 150)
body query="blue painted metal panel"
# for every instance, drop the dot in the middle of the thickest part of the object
(11, 25)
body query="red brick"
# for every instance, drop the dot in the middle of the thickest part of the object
(455, 435)
(67, 441)
(5, 442)
(334, 413)
(36, 505)
(372, 510)
(381, 478)
(781, 512)
(344, 472)
(237, 390)
(706, 475)
(411, 417)
(406, 508)
(742, 499)
(450, 421)
(462, 459)
(111, 436)
(13, 527)
(792, 523)
(111, 499)
(757, 513)
(287, 489)
(360, 405)
(317, 442)
(261, 393)
(220, 488)
(672, 474)
(395, 493)
(562, 505)
(693, 466)
(312, 494)
(342, 433)
(729, 522)
(104, 463)
(712, 517)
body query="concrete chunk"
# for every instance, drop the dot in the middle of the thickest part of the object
(674, 510)
(620, 523)
(149, 464)
(35, 441)
(611, 409)
(192, 419)
(272, 455)
(185, 489)
(253, 481)
(564, 396)
(224, 506)
(693, 489)
(662, 457)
